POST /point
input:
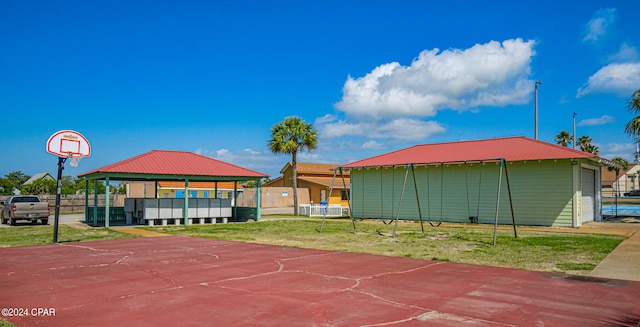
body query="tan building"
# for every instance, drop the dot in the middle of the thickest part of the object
(625, 181)
(317, 178)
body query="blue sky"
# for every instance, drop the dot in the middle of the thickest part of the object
(212, 77)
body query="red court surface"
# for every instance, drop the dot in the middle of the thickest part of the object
(183, 281)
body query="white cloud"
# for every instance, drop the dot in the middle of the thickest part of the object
(597, 27)
(606, 119)
(620, 79)
(613, 150)
(372, 145)
(325, 119)
(406, 129)
(490, 74)
(341, 128)
(626, 53)
(223, 153)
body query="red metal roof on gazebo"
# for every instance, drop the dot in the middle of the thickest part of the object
(164, 162)
(511, 149)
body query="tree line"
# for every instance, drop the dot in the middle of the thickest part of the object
(584, 142)
(15, 181)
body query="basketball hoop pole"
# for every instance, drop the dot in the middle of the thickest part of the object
(61, 161)
(66, 144)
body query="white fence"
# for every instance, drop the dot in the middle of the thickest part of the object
(318, 210)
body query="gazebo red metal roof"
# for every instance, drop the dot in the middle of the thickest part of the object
(511, 149)
(175, 163)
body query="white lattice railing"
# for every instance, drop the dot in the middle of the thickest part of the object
(318, 210)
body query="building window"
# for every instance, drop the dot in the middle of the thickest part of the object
(345, 195)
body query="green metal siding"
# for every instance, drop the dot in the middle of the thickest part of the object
(541, 192)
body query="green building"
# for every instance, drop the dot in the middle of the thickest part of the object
(545, 184)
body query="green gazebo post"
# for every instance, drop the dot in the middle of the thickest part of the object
(106, 203)
(258, 202)
(186, 202)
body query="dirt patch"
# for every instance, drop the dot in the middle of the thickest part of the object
(437, 237)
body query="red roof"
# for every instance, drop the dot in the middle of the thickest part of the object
(511, 149)
(163, 162)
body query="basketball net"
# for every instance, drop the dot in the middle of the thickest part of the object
(74, 161)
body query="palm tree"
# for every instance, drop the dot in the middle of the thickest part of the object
(592, 149)
(619, 160)
(290, 136)
(585, 144)
(633, 126)
(564, 138)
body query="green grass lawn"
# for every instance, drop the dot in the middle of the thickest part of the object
(43, 234)
(542, 251)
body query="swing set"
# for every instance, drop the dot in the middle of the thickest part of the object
(437, 168)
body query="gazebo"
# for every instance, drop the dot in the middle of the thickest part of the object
(165, 165)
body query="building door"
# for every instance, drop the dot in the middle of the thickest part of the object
(588, 195)
(323, 195)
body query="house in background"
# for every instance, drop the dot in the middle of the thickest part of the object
(625, 181)
(36, 177)
(317, 178)
(550, 185)
(39, 176)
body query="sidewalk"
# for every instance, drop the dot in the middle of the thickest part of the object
(624, 261)
(76, 221)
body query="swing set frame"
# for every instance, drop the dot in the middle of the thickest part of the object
(410, 167)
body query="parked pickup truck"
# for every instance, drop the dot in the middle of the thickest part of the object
(25, 207)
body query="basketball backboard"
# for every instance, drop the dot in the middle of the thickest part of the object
(68, 144)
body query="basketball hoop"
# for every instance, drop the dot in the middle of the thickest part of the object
(70, 145)
(74, 160)
(65, 145)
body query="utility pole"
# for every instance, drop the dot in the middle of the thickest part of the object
(535, 109)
